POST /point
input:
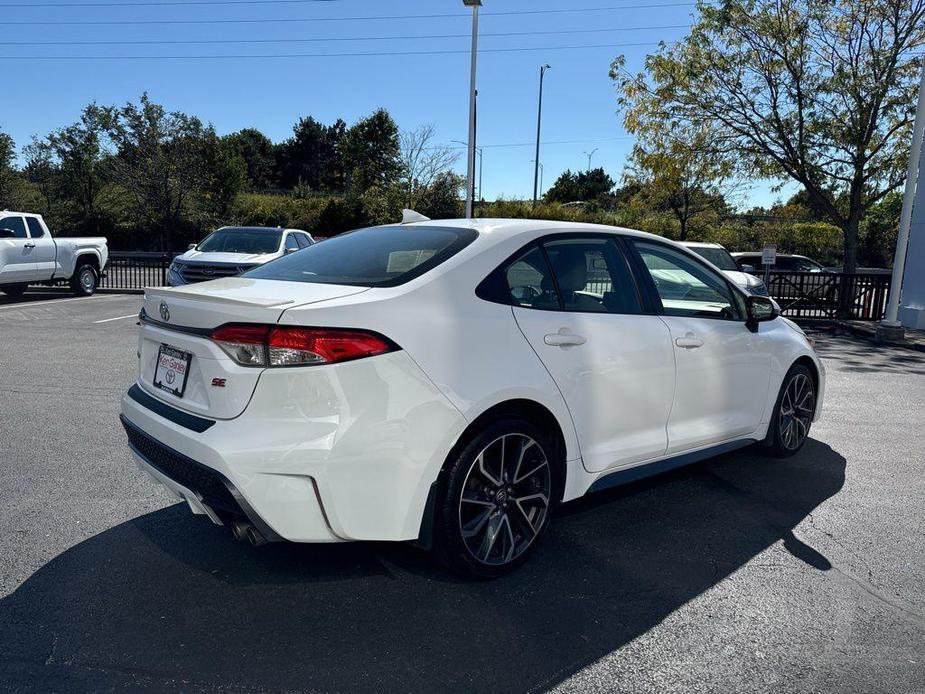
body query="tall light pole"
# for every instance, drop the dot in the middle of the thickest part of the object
(541, 177)
(478, 150)
(470, 164)
(539, 117)
(589, 155)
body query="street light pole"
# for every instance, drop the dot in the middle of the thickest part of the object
(539, 116)
(589, 155)
(470, 164)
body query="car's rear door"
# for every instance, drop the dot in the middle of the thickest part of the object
(45, 254)
(576, 302)
(17, 252)
(722, 368)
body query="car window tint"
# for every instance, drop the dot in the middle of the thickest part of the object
(806, 265)
(786, 264)
(291, 243)
(35, 229)
(685, 287)
(529, 281)
(592, 276)
(303, 240)
(16, 225)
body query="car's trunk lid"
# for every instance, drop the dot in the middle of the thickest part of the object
(176, 326)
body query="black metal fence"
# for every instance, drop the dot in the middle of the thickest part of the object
(828, 295)
(134, 271)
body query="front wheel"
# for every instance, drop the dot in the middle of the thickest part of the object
(496, 500)
(85, 280)
(793, 413)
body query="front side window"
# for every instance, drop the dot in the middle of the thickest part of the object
(35, 229)
(375, 257)
(241, 240)
(291, 243)
(807, 265)
(14, 224)
(685, 287)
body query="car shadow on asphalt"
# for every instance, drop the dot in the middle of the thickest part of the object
(169, 601)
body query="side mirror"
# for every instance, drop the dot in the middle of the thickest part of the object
(191, 247)
(759, 310)
(745, 267)
(7, 234)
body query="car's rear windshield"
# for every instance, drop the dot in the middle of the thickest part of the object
(718, 256)
(374, 257)
(241, 240)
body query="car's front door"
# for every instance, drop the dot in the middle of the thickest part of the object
(17, 251)
(577, 304)
(722, 368)
(45, 254)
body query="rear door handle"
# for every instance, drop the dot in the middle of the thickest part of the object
(561, 339)
(689, 341)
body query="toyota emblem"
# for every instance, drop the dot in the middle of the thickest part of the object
(165, 311)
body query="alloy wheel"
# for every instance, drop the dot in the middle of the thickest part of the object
(796, 411)
(505, 499)
(87, 279)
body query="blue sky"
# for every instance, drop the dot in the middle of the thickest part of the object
(271, 93)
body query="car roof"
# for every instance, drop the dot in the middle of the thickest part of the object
(498, 229)
(739, 254)
(700, 244)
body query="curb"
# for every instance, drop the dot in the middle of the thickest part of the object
(868, 332)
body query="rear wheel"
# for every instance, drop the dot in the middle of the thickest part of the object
(496, 500)
(84, 281)
(793, 414)
(14, 290)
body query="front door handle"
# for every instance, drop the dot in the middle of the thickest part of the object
(564, 339)
(29, 245)
(689, 341)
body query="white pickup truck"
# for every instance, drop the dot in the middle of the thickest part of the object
(30, 255)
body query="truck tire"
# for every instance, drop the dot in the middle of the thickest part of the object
(14, 290)
(84, 280)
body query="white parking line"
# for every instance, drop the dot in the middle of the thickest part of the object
(28, 304)
(106, 320)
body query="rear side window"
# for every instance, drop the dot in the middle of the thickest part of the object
(373, 257)
(14, 224)
(303, 240)
(35, 229)
(529, 281)
(291, 243)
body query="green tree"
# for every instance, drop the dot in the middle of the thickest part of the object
(818, 91)
(257, 152)
(425, 164)
(159, 158)
(312, 156)
(9, 177)
(372, 153)
(585, 186)
(225, 175)
(677, 172)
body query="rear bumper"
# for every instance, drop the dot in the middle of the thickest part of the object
(320, 454)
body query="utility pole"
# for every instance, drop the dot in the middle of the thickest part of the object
(470, 165)
(539, 117)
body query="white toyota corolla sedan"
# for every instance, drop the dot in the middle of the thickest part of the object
(450, 382)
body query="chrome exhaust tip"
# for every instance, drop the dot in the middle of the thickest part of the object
(254, 536)
(239, 530)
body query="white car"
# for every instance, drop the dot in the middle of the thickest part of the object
(29, 254)
(722, 259)
(449, 382)
(229, 251)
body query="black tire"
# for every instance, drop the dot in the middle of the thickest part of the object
(14, 290)
(507, 473)
(85, 280)
(793, 413)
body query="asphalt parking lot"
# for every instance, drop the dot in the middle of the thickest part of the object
(739, 574)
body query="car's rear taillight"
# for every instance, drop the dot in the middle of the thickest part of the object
(272, 345)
